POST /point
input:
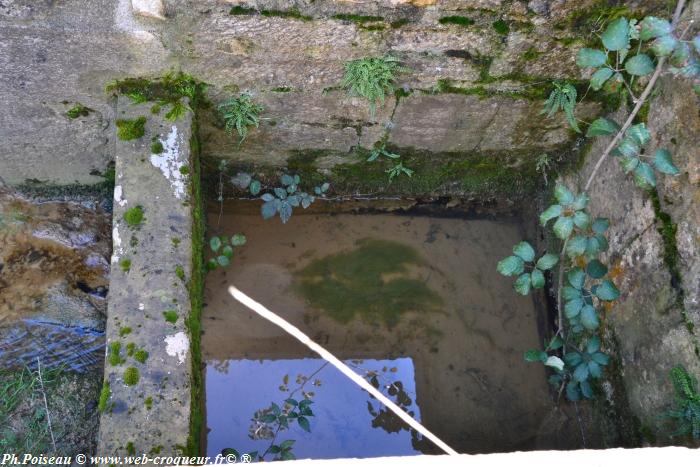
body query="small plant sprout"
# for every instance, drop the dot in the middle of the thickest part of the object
(372, 78)
(283, 199)
(542, 164)
(239, 114)
(128, 130)
(397, 170)
(381, 151)
(562, 97)
(686, 413)
(222, 248)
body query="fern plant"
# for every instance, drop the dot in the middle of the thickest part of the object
(239, 114)
(372, 78)
(562, 97)
(687, 410)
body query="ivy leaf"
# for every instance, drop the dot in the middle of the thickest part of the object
(255, 187)
(570, 293)
(600, 225)
(572, 359)
(215, 244)
(595, 245)
(681, 54)
(594, 369)
(589, 318)
(602, 127)
(555, 343)
(644, 176)
(580, 202)
(591, 58)
(639, 65)
(238, 240)
(304, 423)
(629, 163)
(664, 163)
(586, 390)
(582, 219)
(572, 391)
(522, 284)
(555, 362)
(581, 372)
(664, 45)
(563, 227)
(535, 355)
(600, 77)
(537, 278)
(596, 269)
(563, 195)
(551, 212)
(593, 345)
(576, 277)
(269, 209)
(600, 358)
(607, 291)
(572, 308)
(525, 251)
(511, 266)
(576, 246)
(285, 445)
(652, 27)
(547, 261)
(628, 147)
(616, 35)
(639, 134)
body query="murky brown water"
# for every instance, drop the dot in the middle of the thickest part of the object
(382, 287)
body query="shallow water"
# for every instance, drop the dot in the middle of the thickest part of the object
(382, 287)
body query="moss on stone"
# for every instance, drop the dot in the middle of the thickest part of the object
(399, 23)
(124, 330)
(458, 20)
(282, 89)
(114, 353)
(131, 376)
(501, 27)
(105, 394)
(125, 264)
(357, 18)
(128, 130)
(148, 402)
(349, 284)
(184, 170)
(134, 216)
(531, 54)
(289, 14)
(240, 10)
(180, 272)
(170, 316)
(130, 349)
(141, 356)
(156, 147)
(78, 110)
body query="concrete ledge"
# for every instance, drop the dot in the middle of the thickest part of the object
(148, 370)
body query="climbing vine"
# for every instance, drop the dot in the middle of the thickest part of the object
(584, 283)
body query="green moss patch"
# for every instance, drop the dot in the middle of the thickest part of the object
(128, 130)
(290, 14)
(357, 18)
(371, 282)
(458, 20)
(114, 354)
(240, 10)
(131, 376)
(501, 27)
(156, 147)
(105, 394)
(170, 316)
(125, 264)
(141, 356)
(134, 216)
(78, 110)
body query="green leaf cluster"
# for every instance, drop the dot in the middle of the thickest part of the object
(397, 170)
(686, 413)
(128, 130)
(239, 114)
(283, 199)
(372, 78)
(562, 97)
(569, 212)
(222, 248)
(524, 256)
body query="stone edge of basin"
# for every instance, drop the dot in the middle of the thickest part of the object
(146, 400)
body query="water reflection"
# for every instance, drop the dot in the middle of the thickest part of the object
(346, 421)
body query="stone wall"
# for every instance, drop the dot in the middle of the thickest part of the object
(474, 87)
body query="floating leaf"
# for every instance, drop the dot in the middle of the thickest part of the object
(644, 176)
(563, 227)
(602, 127)
(525, 251)
(511, 266)
(639, 65)
(616, 35)
(551, 212)
(589, 318)
(652, 27)
(664, 45)
(600, 77)
(555, 362)
(576, 246)
(563, 194)
(547, 261)
(591, 58)
(215, 244)
(537, 278)
(522, 284)
(607, 291)
(664, 163)
(596, 269)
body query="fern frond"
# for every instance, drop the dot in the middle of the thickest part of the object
(240, 113)
(372, 78)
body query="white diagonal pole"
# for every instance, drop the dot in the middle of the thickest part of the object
(342, 367)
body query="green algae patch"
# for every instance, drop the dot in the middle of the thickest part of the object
(371, 282)
(131, 376)
(134, 216)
